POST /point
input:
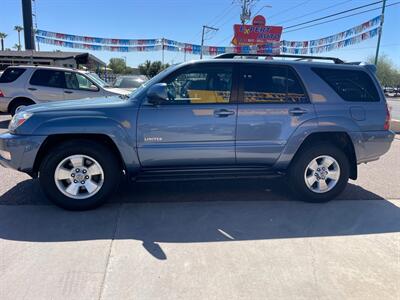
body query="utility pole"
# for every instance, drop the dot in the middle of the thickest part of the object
(246, 13)
(380, 32)
(246, 6)
(35, 27)
(205, 27)
(28, 25)
(162, 49)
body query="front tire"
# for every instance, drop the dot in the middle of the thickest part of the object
(79, 174)
(319, 173)
(18, 104)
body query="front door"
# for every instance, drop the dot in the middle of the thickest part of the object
(78, 86)
(272, 104)
(196, 126)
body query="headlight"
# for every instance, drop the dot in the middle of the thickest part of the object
(18, 120)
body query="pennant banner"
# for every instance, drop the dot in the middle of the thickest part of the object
(300, 46)
(347, 42)
(347, 33)
(97, 40)
(68, 44)
(271, 48)
(294, 44)
(336, 41)
(294, 50)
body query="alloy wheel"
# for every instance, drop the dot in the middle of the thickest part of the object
(79, 176)
(322, 174)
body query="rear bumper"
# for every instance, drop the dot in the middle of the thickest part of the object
(371, 145)
(18, 152)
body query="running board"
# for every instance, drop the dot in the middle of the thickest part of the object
(151, 175)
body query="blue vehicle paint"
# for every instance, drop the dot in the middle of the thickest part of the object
(226, 135)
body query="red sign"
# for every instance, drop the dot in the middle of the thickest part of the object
(256, 34)
(259, 20)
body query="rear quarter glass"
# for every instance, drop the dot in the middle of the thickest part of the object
(354, 96)
(11, 74)
(350, 85)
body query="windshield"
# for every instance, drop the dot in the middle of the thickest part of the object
(128, 82)
(98, 80)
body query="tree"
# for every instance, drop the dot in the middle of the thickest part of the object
(151, 69)
(19, 29)
(118, 65)
(144, 68)
(387, 73)
(2, 37)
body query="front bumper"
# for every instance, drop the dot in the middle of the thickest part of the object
(23, 150)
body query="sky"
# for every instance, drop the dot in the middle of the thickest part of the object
(182, 20)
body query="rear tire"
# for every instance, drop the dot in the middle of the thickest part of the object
(319, 173)
(79, 174)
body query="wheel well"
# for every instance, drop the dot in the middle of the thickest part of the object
(55, 140)
(19, 99)
(341, 140)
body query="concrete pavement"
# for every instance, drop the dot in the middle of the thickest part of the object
(217, 250)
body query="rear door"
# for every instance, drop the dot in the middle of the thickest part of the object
(46, 85)
(272, 104)
(196, 127)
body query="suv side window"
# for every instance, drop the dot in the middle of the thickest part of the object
(350, 85)
(76, 81)
(11, 74)
(200, 84)
(271, 84)
(49, 78)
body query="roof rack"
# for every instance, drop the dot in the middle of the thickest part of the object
(299, 57)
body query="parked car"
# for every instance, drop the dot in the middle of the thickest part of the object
(26, 85)
(397, 92)
(389, 91)
(129, 82)
(310, 122)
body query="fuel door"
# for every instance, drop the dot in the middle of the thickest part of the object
(357, 113)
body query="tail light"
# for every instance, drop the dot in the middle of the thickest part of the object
(1, 93)
(387, 120)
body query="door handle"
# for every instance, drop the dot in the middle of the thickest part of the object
(297, 111)
(223, 113)
(68, 92)
(32, 89)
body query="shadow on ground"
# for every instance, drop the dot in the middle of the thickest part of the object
(195, 212)
(199, 222)
(4, 124)
(28, 192)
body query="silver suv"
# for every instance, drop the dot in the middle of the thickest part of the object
(26, 85)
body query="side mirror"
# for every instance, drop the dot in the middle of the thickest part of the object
(93, 88)
(157, 93)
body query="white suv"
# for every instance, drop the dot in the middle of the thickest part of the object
(26, 85)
